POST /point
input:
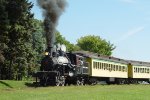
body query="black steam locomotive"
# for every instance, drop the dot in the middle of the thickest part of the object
(59, 68)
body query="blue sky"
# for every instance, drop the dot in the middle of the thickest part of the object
(125, 23)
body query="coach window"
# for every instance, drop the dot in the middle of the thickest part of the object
(117, 67)
(134, 69)
(147, 70)
(94, 65)
(109, 66)
(138, 70)
(143, 70)
(123, 68)
(120, 68)
(126, 69)
(97, 65)
(114, 67)
(104, 66)
(100, 65)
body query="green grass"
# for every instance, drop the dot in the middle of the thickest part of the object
(13, 90)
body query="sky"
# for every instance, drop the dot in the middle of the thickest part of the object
(125, 23)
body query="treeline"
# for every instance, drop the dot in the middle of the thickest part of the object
(22, 41)
(18, 39)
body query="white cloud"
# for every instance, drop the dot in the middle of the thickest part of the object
(128, 1)
(130, 33)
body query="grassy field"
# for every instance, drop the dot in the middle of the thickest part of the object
(13, 90)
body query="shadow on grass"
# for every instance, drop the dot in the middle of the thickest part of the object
(32, 84)
(37, 84)
(1, 82)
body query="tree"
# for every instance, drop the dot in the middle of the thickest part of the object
(95, 44)
(16, 36)
(38, 38)
(38, 44)
(60, 39)
(4, 39)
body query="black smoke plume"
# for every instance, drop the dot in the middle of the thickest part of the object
(52, 10)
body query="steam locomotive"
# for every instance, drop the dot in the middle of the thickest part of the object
(59, 68)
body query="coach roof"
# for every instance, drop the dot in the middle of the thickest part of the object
(101, 57)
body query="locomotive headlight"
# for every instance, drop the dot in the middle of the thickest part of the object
(71, 73)
(46, 53)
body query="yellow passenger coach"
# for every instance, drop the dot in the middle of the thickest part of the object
(138, 71)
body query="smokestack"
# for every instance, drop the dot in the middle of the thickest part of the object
(52, 10)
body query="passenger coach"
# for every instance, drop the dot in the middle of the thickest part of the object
(138, 71)
(104, 68)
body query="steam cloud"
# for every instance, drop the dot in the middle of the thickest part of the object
(52, 11)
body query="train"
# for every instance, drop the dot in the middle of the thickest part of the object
(61, 68)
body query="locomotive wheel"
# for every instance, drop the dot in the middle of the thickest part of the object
(92, 81)
(120, 81)
(60, 81)
(80, 82)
